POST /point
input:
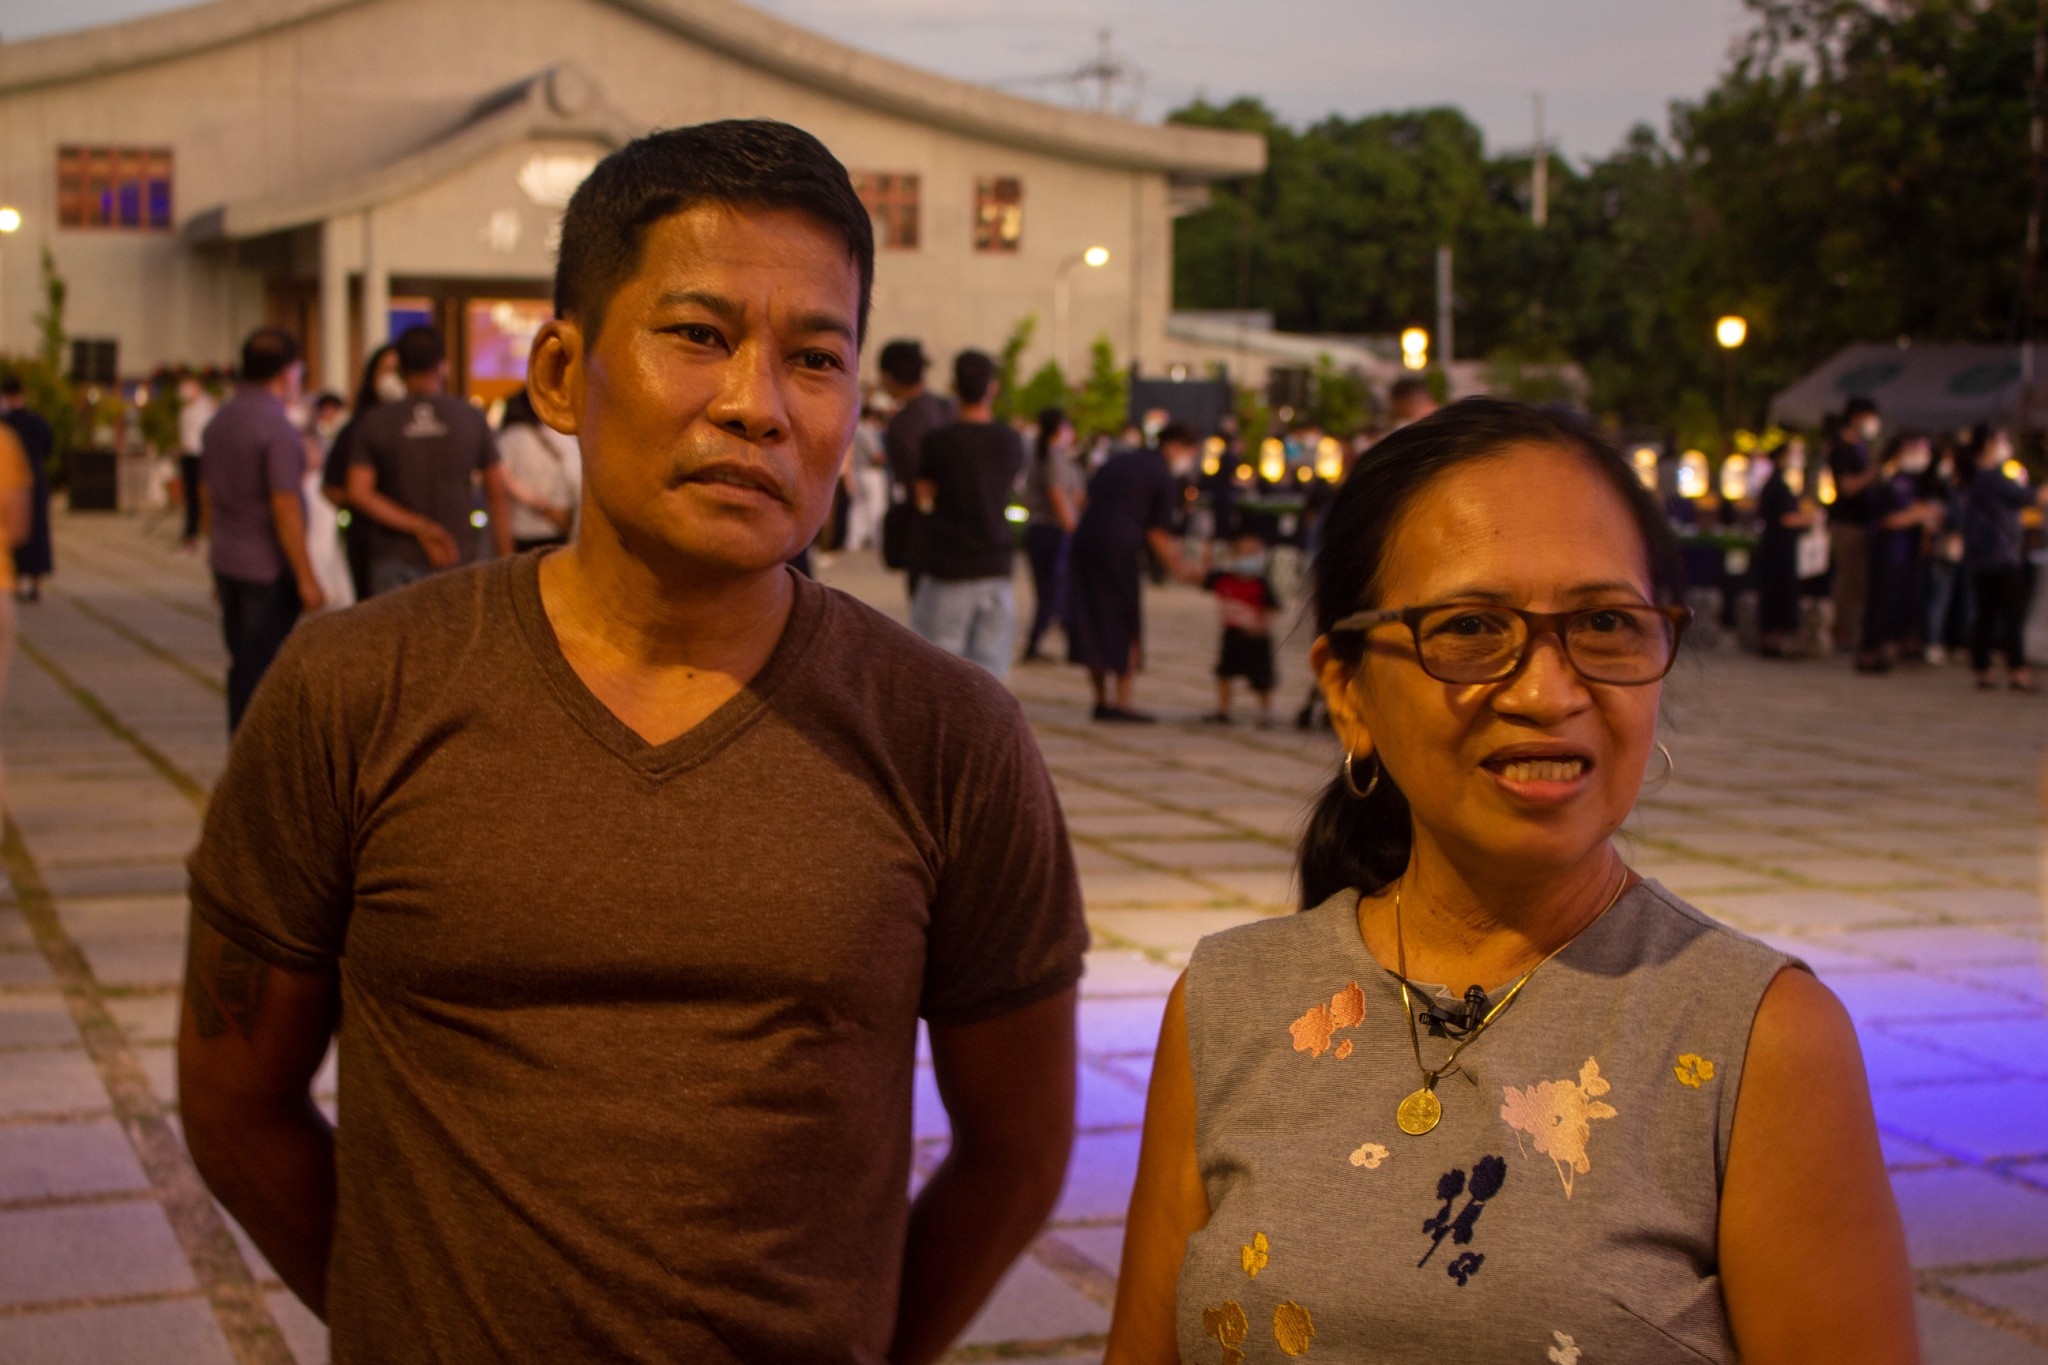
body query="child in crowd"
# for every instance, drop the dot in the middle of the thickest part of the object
(1245, 602)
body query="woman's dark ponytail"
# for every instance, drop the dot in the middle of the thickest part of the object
(1362, 844)
(1353, 842)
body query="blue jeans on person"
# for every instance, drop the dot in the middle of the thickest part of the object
(390, 574)
(255, 618)
(1047, 546)
(973, 618)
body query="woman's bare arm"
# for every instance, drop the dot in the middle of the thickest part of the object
(1813, 1256)
(1168, 1204)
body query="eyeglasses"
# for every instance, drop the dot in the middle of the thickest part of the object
(1626, 646)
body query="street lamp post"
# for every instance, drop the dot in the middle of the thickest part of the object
(1095, 257)
(1730, 332)
(10, 223)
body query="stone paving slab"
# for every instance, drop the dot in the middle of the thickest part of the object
(181, 1332)
(1887, 830)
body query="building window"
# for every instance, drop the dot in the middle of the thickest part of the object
(891, 201)
(114, 187)
(998, 213)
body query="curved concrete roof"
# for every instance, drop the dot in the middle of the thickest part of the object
(726, 26)
(561, 102)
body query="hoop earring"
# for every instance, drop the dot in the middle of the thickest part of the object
(1351, 782)
(1670, 763)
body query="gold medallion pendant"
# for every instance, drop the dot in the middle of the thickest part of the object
(1420, 1112)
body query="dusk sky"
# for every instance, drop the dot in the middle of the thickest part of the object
(1601, 64)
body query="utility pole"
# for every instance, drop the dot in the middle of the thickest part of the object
(1539, 170)
(1443, 305)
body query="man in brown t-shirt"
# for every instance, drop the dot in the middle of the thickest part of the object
(629, 870)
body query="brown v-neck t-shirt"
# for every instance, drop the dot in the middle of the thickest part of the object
(627, 1030)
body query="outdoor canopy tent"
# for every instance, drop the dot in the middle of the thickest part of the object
(1918, 388)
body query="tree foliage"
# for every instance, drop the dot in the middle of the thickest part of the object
(1103, 406)
(1860, 172)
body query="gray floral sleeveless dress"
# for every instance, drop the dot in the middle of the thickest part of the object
(1563, 1212)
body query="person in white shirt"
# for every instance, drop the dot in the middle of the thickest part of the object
(543, 475)
(195, 409)
(323, 519)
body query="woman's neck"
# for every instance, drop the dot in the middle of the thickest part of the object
(1462, 923)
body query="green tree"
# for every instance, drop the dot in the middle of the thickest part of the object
(1045, 389)
(1008, 364)
(1339, 401)
(1858, 173)
(1103, 406)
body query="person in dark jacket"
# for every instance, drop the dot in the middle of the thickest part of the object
(380, 384)
(1786, 517)
(1994, 557)
(1131, 504)
(33, 559)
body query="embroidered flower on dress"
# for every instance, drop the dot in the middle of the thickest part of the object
(1229, 1326)
(1293, 1328)
(1312, 1031)
(1566, 1352)
(1465, 1267)
(1558, 1116)
(1369, 1156)
(1693, 1070)
(1255, 1256)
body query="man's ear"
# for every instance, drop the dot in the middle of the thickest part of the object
(1336, 679)
(554, 374)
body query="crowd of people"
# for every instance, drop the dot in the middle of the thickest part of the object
(1920, 555)
(312, 503)
(628, 1060)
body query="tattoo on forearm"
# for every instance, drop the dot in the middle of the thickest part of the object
(226, 984)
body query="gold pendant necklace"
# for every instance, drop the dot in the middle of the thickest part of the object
(1422, 1110)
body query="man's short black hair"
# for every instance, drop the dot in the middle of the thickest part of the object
(420, 350)
(10, 386)
(1408, 386)
(756, 163)
(268, 353)
(904, 362)
(973, 374)
(1857, 407)
(1178, 434)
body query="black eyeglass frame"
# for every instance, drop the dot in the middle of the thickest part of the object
(1537, 623)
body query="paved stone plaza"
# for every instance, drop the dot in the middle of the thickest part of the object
(1888, 830)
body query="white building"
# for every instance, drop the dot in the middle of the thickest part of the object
(344, 167)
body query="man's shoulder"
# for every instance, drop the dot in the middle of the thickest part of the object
(860, 649)
(370, 640)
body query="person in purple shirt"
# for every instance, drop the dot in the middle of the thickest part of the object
(252, 463)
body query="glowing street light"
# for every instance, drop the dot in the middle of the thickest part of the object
(1735, 478)
(1272, 459)
(1329, 459)
(1415, 349)
(1095, 257)
(10, 223)
(1731, 332)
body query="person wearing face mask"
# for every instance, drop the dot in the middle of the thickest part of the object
(1785, 517)
(1131, 504)
(380, 384)
(1899, 521)
(1492, 1095)
(1245, 603)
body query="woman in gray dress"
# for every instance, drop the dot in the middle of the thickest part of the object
(1492, 1096)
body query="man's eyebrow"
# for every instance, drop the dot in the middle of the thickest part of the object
(732, 311)
(811, 323)
(718, 304)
